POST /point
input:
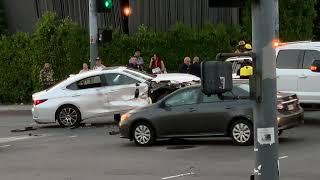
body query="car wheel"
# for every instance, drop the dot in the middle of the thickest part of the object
(68, 116)
(242, 132)
(143, 134)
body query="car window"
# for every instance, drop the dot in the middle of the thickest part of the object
(185, 97)
(241, 90)
(210, 99)
(140, 75)
(90, 82)
(309, 57)
(115, 79)
(288, 59)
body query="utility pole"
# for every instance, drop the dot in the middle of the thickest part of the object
(264, 31)
(93, 28)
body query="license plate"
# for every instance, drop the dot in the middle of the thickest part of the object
(290, 107)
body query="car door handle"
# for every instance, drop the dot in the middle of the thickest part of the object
(77, 95)
(303, 76)
(228, 107)
(192, 110)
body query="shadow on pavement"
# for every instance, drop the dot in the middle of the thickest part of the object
(290, 140)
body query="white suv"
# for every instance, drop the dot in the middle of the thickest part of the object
(294, 73)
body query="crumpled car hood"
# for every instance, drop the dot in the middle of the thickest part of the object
(176, 77)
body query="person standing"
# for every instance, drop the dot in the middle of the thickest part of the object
(240, 47)
(137, 54)
(99, 65)
(184, 67)
(134, 64)
(85, 68)
(195, 68)
(157, 65)
(46, 76)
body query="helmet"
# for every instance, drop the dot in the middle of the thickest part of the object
(242, 43)
(248, 46)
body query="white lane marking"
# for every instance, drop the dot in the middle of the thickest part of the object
(179, 175)
(283, 157)
(4, 146)
(73, 136)
(17, 138)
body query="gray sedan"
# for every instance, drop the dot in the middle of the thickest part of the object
(188, 113)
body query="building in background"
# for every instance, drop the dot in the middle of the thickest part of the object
(160, 15)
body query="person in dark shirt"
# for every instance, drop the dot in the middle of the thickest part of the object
(134, 64)
(195, 67)
(184, 68)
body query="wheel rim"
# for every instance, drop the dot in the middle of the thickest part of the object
(142, 134)
(241, 133)
(68, 116)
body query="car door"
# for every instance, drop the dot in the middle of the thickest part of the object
(179, 113)
(308, 81)
(87, 94)
(288, 63)
(119, 93)
(214, 113)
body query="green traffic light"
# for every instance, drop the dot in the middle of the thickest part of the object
(108, 4)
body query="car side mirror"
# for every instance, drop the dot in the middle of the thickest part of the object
(315, 66)
(164, 105)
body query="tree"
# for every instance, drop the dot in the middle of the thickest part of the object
(296, 18)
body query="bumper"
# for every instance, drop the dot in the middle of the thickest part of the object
(42, 115)
(124, 130)
(291, 120)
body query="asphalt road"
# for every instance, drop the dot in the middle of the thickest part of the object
(90, 153)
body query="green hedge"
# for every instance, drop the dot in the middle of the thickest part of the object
(65, 45)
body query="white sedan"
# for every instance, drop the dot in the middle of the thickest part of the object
(96, 93)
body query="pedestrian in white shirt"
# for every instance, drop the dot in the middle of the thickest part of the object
(99, 65)
(85, 68)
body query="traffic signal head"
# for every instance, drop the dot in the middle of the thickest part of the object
(216, 77)
(104, 5)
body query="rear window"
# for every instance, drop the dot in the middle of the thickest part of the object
(288, 59)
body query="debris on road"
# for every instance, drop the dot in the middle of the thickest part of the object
(23, 130)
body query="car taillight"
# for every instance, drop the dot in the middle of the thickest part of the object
(37, 102)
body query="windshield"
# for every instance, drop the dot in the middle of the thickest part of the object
(142, 75)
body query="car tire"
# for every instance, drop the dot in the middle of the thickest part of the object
(242, 133)
(68, 116)
(143, 134)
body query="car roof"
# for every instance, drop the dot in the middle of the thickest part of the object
(300, 45)
(76, 77)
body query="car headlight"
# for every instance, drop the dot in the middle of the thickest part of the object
(125, 116)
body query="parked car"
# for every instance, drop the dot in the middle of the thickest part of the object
(96, 93)
(298, 70)
(188, 113)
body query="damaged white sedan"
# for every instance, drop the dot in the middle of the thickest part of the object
(99, 93)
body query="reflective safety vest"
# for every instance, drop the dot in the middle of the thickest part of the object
(246, 71)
